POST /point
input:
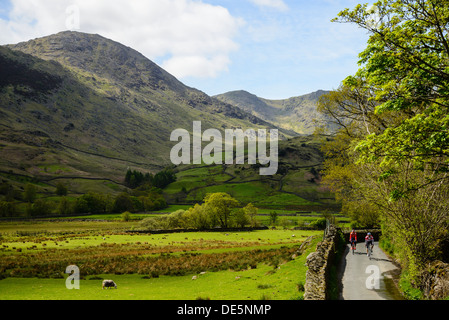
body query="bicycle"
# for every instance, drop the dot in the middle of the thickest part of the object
(353, 246)
(370, 250)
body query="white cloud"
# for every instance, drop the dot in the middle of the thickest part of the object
(200, 66)
(274, 4)
(189, 37)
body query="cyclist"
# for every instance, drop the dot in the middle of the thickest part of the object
(353, 238)
(369, 241)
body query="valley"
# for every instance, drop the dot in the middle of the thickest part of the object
(85, 161)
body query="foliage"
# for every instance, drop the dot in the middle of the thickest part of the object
(408, 288)
(61, 189)
(273, 217)
(219, 206)
(241, 219)
(40, 207)
(29, 194)
(319, 224)
(91, 203)
(406, 63)
(126, 216)
(163, 178)
(7, 209)
(250, 211)
(216, 211)
(389, 161)
(64, 207)
(123, 202)
(135, 179)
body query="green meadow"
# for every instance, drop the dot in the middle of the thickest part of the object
(260, 264)
(264, 282)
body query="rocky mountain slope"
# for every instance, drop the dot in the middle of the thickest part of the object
(80, 105)
(297, 114)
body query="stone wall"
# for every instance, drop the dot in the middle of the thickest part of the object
(436, 281)
(319, 263)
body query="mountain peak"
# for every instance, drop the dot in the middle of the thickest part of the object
(101, 57)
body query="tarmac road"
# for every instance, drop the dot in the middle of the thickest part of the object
(365, 279)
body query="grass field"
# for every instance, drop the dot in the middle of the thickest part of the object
(262, 264)
(264, 282)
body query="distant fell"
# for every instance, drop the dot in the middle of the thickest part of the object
(297, 114)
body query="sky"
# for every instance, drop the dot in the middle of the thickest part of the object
(275, 49)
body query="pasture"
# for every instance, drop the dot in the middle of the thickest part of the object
(262, 264)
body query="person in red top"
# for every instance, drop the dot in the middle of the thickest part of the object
(369, 241)
(353, 238)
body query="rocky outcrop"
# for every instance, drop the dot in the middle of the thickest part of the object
(319, 263)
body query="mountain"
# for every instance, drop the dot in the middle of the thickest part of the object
(297, 114)
(77, 105)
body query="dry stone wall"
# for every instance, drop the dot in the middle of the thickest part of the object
(319, 263)
(436, 281)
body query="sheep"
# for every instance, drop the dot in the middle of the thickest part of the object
(109, 284)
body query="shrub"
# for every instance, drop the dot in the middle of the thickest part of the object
(7, 209)
(40, 207)
(61, 189)
(64, 207)
(155, 223)
(91, 203)
(126, 216)
(123, 202)
(29, 194)
(319, 224)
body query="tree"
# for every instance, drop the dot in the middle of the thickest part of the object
(40, 207)
(394, 126)
(406, 64)
(220, 206)
(199, 218)
(7, 209)
(251, 212)
(135, 179)
(273, 217)
(241, 219)
(123, 202)
(177, 219)
(91, 202)
(64, 207)
(416, 223)
(9, 192)
(164, 178)
(215, 211)
(29, 194)
(61, 189)
(81, 206)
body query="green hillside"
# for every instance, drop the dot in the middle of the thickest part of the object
(81, 108)
(296, 185)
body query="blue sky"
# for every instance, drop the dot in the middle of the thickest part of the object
(275, 49)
